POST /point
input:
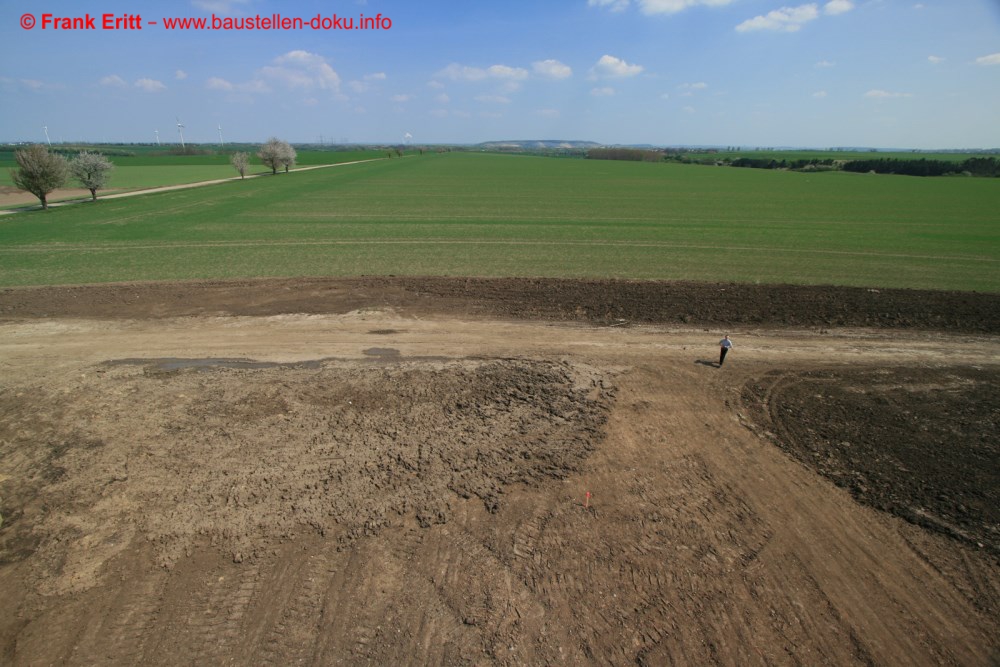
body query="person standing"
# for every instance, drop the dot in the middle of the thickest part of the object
(724, 346)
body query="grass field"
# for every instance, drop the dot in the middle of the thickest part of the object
(497, 215)
(149, 170)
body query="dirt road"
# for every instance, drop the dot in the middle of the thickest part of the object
(381, 486)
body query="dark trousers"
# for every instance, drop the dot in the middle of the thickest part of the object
(722, 354)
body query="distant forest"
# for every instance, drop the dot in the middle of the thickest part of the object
(976, 166)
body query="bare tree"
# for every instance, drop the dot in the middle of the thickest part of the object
(240, 162)
(40, 172)
(92, 170)
(276, 153)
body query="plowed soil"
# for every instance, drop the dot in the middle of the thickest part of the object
(432, 471)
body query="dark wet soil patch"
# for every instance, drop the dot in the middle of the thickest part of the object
(923, 444)
(598, 301)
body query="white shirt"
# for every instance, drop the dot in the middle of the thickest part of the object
(726, 343)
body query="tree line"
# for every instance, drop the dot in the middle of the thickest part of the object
(976, 166)
(41, 171)
(631, 154)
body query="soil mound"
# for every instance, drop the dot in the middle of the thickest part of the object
(247, 458)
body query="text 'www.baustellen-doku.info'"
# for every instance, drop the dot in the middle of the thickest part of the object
(47, 21)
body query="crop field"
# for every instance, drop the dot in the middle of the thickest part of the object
(495, 215)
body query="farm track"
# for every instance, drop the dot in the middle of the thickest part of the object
(168, 188)
(702, 542)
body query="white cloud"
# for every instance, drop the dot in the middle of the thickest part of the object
(616, 68)
(215, 83)
(674, 6)
(504, 72)
(819, 94)
(992, 59)
(150, 85)
(651, 7)
(885, 94)
(552, 69)
(701, 85)
(835, 7)
(548, 113)
(457, 72)
(33, 85)
(114, 81)
(606, 91)
(825, 63)
(492, 99)
(935, 60)
(180, 75)
(442, 98)
(376, 76)
(302, 69)
(255, 86)
(689, 109)
(219, 6)
(786, 19)
(665, 96)
(359, 86)
(436, 85)
(399, 99)
(613, 5)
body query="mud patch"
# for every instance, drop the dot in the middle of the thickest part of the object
(245, 457)
(919, 443)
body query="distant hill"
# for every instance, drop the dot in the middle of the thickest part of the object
(536, 144)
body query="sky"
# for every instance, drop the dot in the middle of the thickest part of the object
(878, 73)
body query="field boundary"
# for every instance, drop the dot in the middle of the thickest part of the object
(180, 186)
(603, 302)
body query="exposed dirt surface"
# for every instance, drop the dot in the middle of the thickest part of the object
(920, 443)
(11, 196)
(415, 476)
(607, 301)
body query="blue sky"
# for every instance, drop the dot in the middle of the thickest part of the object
(882, 73)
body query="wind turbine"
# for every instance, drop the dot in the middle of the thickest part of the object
(222, 144)
(157, 132)
(45, 128)
(180, 131)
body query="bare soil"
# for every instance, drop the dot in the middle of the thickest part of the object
(432, 471)
(11, 196)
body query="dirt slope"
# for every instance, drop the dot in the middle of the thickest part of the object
(389, 487)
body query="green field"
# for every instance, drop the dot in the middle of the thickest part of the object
(150, 170)
(497, 215)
